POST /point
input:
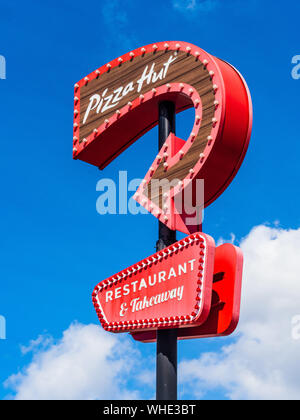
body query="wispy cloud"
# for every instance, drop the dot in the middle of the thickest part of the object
(263, 361)
(86, 363)
(195, 5)
(34, 346)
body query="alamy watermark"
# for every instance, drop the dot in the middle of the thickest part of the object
(2, 319)
(2, 328)
(2, 67)
(159, 197)
(296, 68)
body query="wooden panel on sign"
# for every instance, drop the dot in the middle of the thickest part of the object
(135, 77)
(170, 289)
(117, 103)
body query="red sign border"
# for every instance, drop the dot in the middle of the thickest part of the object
(231, 258)
(191, 49)
(203, 293)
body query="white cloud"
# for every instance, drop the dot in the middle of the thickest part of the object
(263, 360)
(86, 363)
(195, 5)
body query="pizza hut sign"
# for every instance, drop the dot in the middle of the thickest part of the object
(170, 289)
(114, 106)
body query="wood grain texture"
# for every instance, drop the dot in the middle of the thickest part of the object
(185, 69)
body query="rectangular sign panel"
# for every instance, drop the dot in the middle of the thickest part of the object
(226, 297)
(170, 289)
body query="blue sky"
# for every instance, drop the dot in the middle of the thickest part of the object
(54, 245)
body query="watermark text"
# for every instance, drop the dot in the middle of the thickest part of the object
(296, 68)
(2, 328)
(159, 197)
(2, 67)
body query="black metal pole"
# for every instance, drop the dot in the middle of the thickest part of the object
(166, 351)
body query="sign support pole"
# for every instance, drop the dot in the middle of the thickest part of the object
(166, 351)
